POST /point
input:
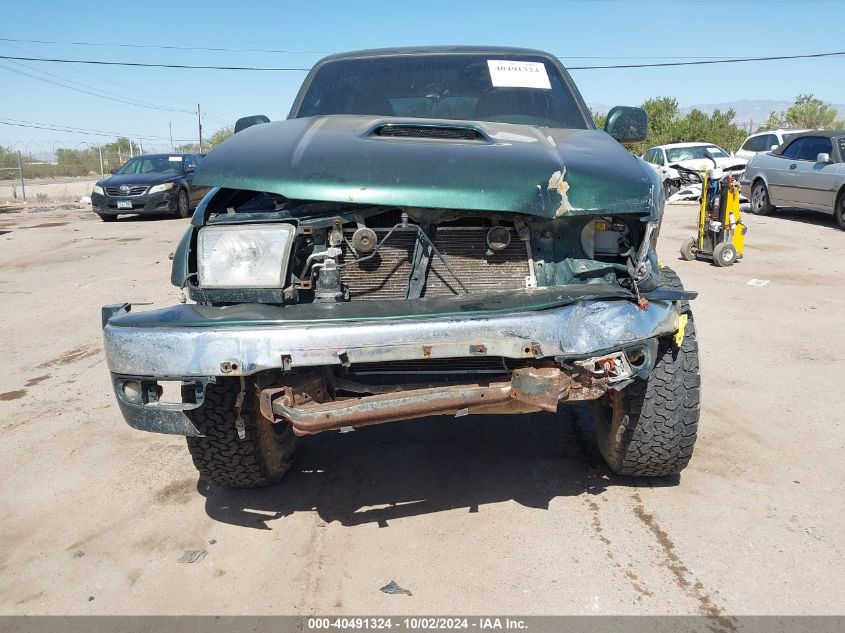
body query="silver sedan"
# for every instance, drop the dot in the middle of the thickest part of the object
(806, 172)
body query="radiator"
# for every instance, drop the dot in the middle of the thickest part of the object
(386, 275)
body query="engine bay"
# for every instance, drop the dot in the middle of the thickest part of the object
(351, 253)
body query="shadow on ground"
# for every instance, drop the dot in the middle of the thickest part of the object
(816, 218)
(393, 471)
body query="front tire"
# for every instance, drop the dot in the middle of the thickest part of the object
(760, 204)
(107, 218)
(262, 457)
(183, 206)
(649, 428)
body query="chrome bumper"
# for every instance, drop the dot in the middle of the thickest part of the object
(577, 330)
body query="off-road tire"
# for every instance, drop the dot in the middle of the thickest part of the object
(105, 217)
(649, 428)
(261, 458)
(760, 202)
(183, 204)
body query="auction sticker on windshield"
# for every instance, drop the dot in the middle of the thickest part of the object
(506, 74)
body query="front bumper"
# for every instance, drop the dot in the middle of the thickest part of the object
(190, 349)
(141, 348)
(146, 204)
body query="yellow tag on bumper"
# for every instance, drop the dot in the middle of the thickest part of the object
(682, 328)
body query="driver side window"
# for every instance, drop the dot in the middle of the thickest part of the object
(794, 149)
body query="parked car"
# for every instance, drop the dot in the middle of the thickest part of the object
(673, 162)
(807, 172)
(433, 231)
(762, 142)
(149, 184)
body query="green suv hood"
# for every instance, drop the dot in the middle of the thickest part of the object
(545, 172)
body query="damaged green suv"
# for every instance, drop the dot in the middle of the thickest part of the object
(432, 231)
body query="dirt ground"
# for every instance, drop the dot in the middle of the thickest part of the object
(472, 515)
(43, 190)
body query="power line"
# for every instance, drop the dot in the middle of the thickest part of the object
(291, 69)
(296, 52)
(171, 47)
(101, 62)
(99, 78)
(709, 61)
(101, 94)
(75, 130)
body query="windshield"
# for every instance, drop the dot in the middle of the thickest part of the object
(522, 89)
(153, 164)
(677, 154)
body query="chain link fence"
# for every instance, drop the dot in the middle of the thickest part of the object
(60, 172)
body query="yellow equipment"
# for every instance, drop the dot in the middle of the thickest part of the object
(721, 233)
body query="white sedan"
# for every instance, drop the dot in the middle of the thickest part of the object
(674, 161)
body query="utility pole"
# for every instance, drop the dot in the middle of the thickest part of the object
(170, 127)
(102, 171)
(131, 154)
(20, 170)
(141, 143)
(199, 126)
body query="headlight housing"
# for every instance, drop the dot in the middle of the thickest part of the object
(244, 255)
(98, 189)
(163, 187)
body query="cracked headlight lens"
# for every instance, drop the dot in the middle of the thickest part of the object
(244, 256)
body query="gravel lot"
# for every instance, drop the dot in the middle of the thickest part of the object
(49, 189)
(472, 515)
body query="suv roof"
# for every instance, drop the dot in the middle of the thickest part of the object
(433, 50)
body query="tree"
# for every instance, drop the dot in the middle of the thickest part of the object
(219, 136)
(811, 112)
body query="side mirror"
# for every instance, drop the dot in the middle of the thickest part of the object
(824, 157)
(248, 121)
(626, 124)
(113, 170)
(189, 169)
(773, 148)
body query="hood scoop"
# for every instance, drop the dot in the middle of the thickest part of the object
(434, 132)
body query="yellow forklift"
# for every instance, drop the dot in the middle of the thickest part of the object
(721, 233)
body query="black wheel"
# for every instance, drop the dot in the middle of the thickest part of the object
(669, 189)
(724, 254)
(649, 428)
(183, 207)
(688, 249)
(839, 211)
(262, 457)
(760, 204)
(107, 218)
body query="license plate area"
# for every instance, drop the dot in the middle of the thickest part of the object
(124, 204)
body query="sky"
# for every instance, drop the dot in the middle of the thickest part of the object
(581, 32)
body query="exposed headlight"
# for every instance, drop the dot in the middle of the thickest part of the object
(244, 256)
(164, 187)
(98, 189)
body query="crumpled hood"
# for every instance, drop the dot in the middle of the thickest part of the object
(544, 172)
